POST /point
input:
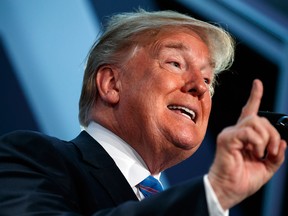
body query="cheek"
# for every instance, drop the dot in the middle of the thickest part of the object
(155, 87)
(165, 83)
(208, 105)
(206, 102)
(206, 110)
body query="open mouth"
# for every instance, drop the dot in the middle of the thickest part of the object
(188, 113)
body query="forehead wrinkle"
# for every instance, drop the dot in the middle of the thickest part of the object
(159, 45)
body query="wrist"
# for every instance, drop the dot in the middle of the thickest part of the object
(223, 191)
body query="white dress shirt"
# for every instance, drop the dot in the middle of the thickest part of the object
(134, 168)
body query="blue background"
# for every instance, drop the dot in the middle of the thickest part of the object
(43, 48)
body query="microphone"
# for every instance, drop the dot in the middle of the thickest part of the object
(279, 121)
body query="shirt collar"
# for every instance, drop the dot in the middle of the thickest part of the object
(126, 158)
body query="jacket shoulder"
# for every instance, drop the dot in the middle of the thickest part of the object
(30, 142)
(31, 150)
(25, 136)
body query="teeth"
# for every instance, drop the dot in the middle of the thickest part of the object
(185, 109)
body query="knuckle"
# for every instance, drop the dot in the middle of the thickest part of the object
(245, 131)
(264, 120)
(224, 136)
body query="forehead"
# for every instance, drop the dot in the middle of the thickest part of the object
(182, 39)
(187, 42)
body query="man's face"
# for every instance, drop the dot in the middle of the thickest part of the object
(164, 99)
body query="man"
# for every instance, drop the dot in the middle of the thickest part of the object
(144, 107)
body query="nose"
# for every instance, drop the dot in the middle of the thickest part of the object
(196, 85)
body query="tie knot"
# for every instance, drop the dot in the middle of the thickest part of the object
(150, 186)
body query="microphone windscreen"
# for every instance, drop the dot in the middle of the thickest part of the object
(279, 121)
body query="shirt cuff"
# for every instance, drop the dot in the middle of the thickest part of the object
(214, 207)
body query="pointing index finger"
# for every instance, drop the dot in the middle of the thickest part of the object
(254, 100)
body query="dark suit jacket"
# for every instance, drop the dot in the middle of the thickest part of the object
(42, 175)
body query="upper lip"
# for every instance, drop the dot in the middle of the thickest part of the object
(192, 113)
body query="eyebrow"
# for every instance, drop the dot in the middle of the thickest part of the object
(175, 45)
(157, 47)
(181, 46)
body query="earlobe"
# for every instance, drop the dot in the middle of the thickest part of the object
(107, 84)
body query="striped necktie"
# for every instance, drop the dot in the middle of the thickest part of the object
(150, 186)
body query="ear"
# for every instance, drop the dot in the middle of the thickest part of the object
(107, 80)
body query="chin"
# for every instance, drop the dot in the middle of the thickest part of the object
(188, 141)
(183, 152)
(188, 147)
(187, 144)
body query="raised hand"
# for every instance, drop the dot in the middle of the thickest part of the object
(247, 155)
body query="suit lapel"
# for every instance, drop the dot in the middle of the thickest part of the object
(103, 168)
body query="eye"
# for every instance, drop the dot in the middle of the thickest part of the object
(207, 81)
(175, 64)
